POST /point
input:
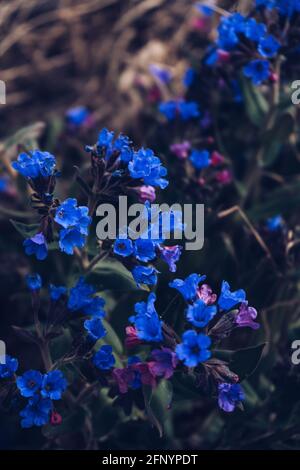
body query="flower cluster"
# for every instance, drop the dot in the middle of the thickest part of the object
(139, 254)
(39, 389)
(253, 43)
(119, 169)
(212, 318)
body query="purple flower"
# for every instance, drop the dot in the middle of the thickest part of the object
(206, 294)
(146, 193)
(171, 254)
(230, 395)
(37, 246)
(181, 150)
(165, 361)
(161, 74)
(246, 317)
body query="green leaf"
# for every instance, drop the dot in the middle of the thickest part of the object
(255, 103)
(26, 230)
(110, 338)
(112, 275)
(276, 137)
(26, 136)
(245, 361)
(157, 403)
(284, 201)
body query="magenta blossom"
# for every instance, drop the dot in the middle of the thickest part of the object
(165, 361)
(216, 158)
(206, 294)
(246, 317)
(147, 193)
(224, 177)
(132, 338)
(181, 150)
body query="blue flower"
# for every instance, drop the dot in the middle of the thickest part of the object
(95, 307)
(268, 46)
(69, 215)
(144, 249)
(105, 139)
(163, 75)
(200, 314)
(169, 109)
(254, 31)
(37, 246)
(147, 166)
(189, 77)
(95, 328)
(37, 412)
(145, 275)
(34, 282)
(53, 385)
(35, 164)
(188, 288)
(194, 348)
(146, 320)
(229, 30)
(229, 299)
(81, 298)
(70, 238)
(29, 383)
(275, 223)
(57, 292)
(123, 247)
(188, 110)
(104, 359)
(285, 7)
(77, 116)
(257, 70)
(9, 367)
(200, 159)
(230, 395)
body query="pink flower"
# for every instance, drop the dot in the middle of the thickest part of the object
(216, 158)
(132, 339)
(224, 177)
(206, 294)
(181, 150)
(147, 193)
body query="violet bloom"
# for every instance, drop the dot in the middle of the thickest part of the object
(246, 316)
(230, 395)
(146, 193)
(165, 361)
(206, 294)
(181, 150)
(171, 254)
